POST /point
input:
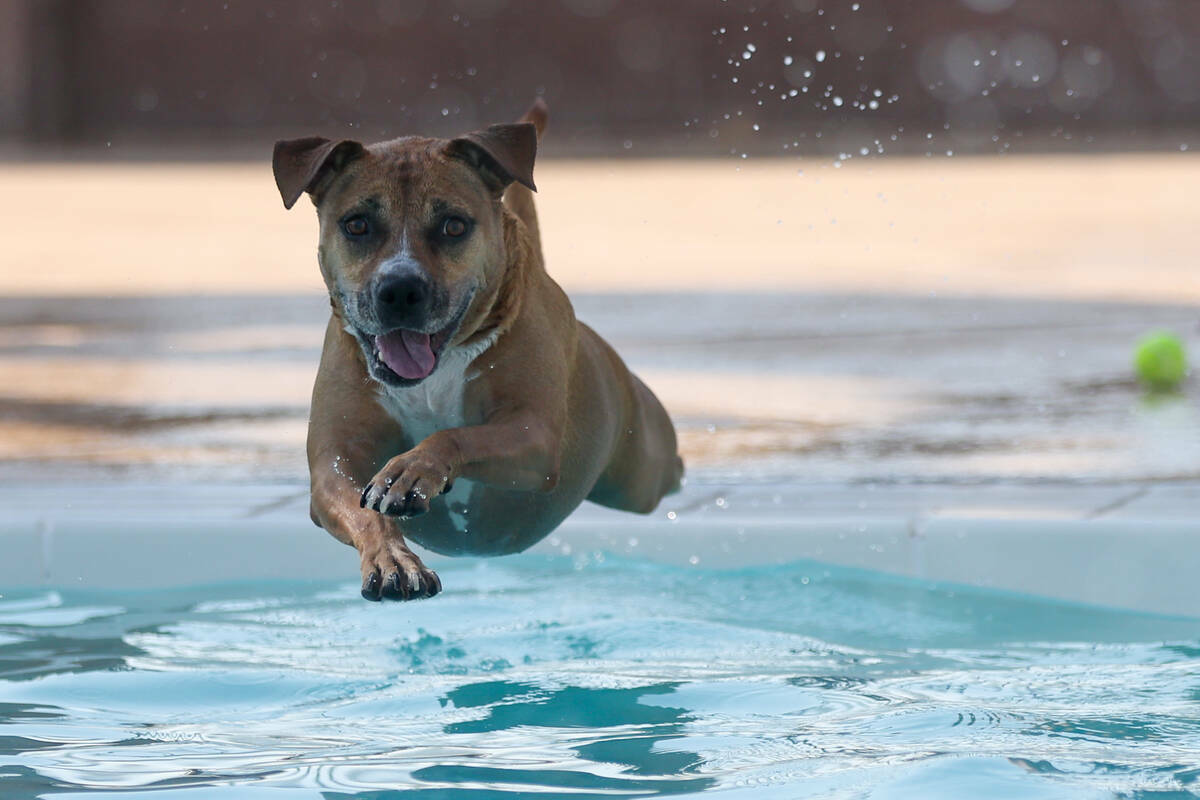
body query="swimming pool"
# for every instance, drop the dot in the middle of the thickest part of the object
(581, 670)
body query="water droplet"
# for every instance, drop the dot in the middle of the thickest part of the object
(820, 56)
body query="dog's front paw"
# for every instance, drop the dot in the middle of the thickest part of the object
(393, 572)
(406, 485)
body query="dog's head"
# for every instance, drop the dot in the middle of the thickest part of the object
(411, 231)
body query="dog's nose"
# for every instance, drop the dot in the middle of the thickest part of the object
(402, 300)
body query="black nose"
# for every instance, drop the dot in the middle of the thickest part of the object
(402, 300)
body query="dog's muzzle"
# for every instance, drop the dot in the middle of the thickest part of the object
(403, 300)
(405, 356)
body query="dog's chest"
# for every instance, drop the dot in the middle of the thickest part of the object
(432, 405)
(435, 403)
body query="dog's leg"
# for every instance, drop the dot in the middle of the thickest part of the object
(344, 448)
(390, 570)
(518, 198)
(645, 465)
(518, 444)
(518, 452)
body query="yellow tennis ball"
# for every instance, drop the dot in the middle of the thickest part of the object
(1160, 361)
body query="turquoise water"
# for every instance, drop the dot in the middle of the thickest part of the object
(595, 677)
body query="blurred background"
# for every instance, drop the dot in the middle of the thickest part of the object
(680, 77)
(861, 243)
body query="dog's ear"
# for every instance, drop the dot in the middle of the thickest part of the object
(501, 154)
(304, 165)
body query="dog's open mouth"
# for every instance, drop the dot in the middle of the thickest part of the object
(402, 357)
(409, 354)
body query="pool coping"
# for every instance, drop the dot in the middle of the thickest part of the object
(1135, 547)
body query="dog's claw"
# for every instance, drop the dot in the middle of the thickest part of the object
(370, 587)
(362, 500)
(415, 503)
(409, 585)
(406, 485)
(392, 588)
(412, 504)
(393, 572)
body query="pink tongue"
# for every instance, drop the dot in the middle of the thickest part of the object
(407, 353)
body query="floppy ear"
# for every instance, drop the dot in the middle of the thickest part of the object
(501, 154)
(303, 165)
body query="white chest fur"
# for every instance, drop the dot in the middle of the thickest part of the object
(432, 405)
(435, 403)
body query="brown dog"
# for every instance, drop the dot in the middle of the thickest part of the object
(451, 346)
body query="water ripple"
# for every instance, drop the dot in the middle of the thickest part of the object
(563, 678)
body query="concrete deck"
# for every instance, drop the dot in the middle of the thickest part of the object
(1096, 544)
(996, 442)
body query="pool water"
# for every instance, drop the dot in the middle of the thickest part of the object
(567, 677)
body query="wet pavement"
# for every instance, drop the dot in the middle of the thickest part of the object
(764, 387)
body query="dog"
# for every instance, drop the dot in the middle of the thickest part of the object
(458, 404)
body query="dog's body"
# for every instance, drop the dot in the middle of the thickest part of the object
(451, 346)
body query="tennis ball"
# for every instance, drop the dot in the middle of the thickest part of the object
(1160, 361)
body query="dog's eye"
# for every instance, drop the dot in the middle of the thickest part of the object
(356, 226)
(454, 227)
